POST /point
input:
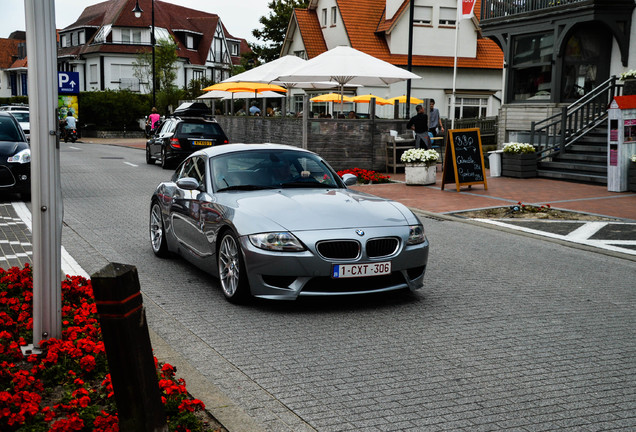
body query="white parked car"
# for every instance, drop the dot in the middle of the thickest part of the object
(22, 116)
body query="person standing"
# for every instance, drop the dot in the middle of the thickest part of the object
(419, 124)
(434, 120)
(151, 123)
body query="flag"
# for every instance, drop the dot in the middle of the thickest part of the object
(466, 8)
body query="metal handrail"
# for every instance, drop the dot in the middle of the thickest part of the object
(556, 133)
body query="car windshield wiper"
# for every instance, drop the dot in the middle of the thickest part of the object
(244, 187)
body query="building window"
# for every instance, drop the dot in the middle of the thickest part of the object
(469, 107)
(447, 16)
(334, 15)
(531, 67)
(197, 75)
(63, 40)
(235, 49)
(93, 74)
(82, 37)
(125, 36)
(301, 54)
(422, 15)
(189, 42)
(324, 18)
(74, 39)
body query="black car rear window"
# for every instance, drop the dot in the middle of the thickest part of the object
(201, 130)
(8, 130)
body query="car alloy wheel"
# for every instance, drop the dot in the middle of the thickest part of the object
(231, 269)
(157, 232)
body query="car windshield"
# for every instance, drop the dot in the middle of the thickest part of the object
(267, 169)
(21, 116)
(200, 130)
(8, 130)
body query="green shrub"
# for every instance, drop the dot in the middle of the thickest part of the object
(112, 110)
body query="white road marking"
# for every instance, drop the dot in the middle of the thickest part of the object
(74, 148)
(582, 237)
(69, 265)
(131, 164)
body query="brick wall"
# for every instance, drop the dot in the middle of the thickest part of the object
(343, 143)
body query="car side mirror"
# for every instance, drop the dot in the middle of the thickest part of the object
(188, 183)
(349, 179)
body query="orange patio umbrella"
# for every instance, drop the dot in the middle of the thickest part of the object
(245, 86)
(367, 99)
(331, 97)
(402, 100)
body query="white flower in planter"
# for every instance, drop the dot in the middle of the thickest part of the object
(630, 74)
(420, 156)
(518, 148)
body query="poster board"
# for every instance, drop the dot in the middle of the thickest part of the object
(464, 152)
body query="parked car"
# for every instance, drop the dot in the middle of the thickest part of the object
(17, 107)
(277, 222)
(179, 137)
(15, 157)
(22, 116)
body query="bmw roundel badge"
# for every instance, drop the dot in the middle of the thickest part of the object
(360, 232)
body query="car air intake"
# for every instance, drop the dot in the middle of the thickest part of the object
(339, 249)
(380, 247)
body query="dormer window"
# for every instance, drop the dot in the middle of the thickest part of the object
(235, 49)
(334, 15)
(130, 36)
(189, 42)
(64, 41)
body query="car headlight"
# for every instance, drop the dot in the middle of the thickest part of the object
(21, 157)
(277, 241)
(416, 235)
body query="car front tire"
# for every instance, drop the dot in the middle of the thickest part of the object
(164, 159)
(157, 232)
(149, 159)
(231, 267)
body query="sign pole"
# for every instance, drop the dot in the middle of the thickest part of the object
(46, 195)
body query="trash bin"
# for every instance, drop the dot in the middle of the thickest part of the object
(494, 159)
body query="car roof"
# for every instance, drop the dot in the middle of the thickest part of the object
(238, 147)
(14, 108)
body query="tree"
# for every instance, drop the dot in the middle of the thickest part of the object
(275, 27)
(166, 70)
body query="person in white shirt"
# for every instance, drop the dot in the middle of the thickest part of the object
(71, 123)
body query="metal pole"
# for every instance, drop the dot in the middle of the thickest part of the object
(410, 59)
(46, 195)
(152, 41)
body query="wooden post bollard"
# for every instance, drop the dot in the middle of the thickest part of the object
(128, 349)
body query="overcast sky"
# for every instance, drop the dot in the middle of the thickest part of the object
(240, 17)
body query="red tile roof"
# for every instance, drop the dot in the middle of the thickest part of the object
(8, 52)
(167, 15)
(309, 27)
(365, 25)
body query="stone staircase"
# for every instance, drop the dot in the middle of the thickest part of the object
(584, 161)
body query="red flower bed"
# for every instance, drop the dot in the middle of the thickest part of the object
(366, 176)
(68, 387)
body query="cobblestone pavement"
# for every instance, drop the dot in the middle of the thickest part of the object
(511, 332)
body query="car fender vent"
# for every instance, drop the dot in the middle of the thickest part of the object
(339, 249)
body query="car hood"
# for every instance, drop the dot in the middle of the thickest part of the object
(302, 209)
(9, 148)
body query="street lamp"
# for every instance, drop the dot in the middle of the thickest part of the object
(137, 11)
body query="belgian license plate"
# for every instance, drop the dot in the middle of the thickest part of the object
(202, 143)
(361, 270)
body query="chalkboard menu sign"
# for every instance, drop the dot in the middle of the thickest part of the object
(464, 163)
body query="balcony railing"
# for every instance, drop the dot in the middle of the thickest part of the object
(491, 9)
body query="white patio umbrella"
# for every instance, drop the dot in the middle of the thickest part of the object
(344, 65)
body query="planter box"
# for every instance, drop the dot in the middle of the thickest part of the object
(420, 174)
(519, 165)
(631, 177)
(629, 87)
